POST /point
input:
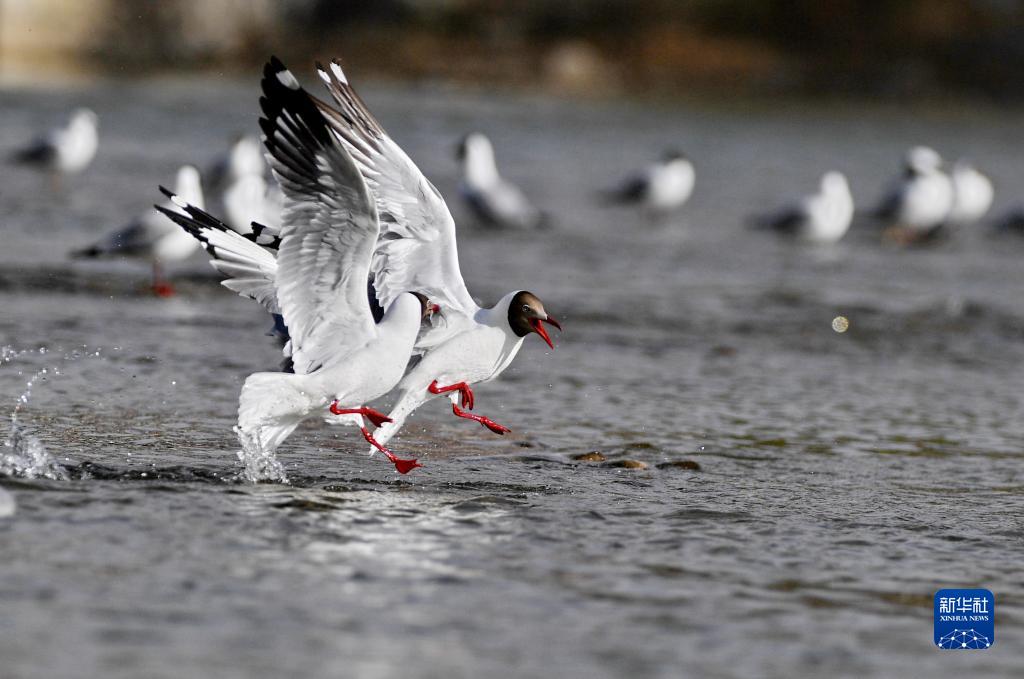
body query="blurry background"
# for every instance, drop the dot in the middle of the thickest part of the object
(889, 48)
(763, 491)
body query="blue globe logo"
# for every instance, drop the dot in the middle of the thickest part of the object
(964, 639)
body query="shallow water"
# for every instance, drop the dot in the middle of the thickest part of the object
(843, 478)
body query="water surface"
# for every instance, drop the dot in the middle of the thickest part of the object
(843, 478)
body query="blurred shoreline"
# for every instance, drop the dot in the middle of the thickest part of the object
(911, 51)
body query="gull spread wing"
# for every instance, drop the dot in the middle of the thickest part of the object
(249, 270)
(329, 226)
(416, 250)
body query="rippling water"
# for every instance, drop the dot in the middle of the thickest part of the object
(800, 493)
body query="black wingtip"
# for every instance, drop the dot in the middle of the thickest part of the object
(283, 93)
(84, 253)
(167, 192)
(257, 236)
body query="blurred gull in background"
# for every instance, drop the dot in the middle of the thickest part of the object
(244, 158)
(919, 201)
(251, 198)
(246, 196)
(822, 217)
(972, 194)
(64, 150)
(662, 187)
(152, 236)
(495, 201)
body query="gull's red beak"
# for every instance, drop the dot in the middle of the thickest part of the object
(535, 323)
(435, 308)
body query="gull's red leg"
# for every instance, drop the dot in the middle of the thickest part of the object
(378, 418)
(486, 421)
(403, 466)
(161, 288)
(466, 394)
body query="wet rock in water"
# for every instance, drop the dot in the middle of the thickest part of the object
(307, 505)
(7, 506)
(627, 464)
(688, 465)
(592, 456)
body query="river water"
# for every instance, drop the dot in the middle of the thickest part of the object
(842, 478)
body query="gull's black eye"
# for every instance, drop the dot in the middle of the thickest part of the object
(526, 308)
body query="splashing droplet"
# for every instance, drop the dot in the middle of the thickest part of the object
(260, 464)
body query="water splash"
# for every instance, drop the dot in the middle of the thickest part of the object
(25, 455)
(22, 453)
(259, 464)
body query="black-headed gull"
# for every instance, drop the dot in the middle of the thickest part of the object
(65, 150)
(465, 344)
(494, 200)
(822, 217)
(662, 187)
(919, 202)
(330, 227)
(972, 194)
(151, 237)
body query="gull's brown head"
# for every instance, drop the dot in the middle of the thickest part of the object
(526, 313)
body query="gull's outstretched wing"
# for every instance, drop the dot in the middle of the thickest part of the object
(329, 226)
(416, 250)
(248, 269)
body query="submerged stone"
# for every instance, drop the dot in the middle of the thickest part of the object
(592, 456)
(628, 464)
(689, 465)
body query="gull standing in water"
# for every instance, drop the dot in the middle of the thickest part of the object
(244, 158)
(920, 201)
(342, 358)
(64, 150)
(465, 344)
(662, 187)
(151, 237)
(246, 196)
(822, 217)
(494, 200)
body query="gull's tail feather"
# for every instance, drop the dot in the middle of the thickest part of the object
(272, 405)
(38, 153)
(90, 252)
